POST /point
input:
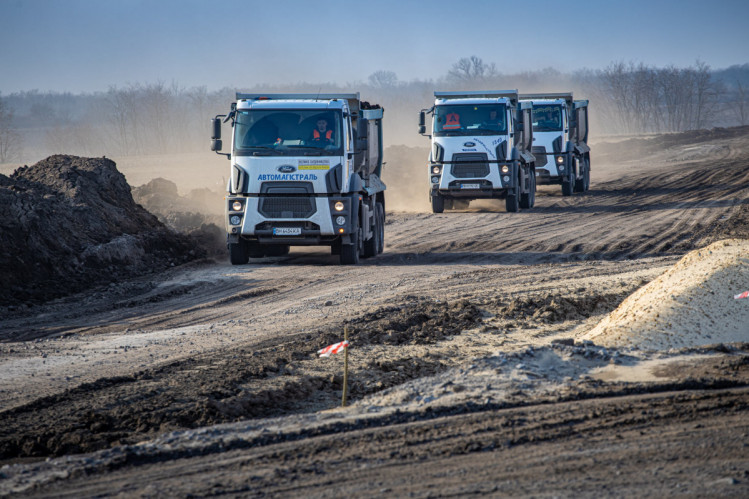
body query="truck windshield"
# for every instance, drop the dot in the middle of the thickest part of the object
(547, 118)
(470, 119)
(287, 132)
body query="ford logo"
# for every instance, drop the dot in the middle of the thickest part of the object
(469, 144)
(286, 169)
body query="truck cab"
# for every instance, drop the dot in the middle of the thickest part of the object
(480, 149)
(304, 171)
(560, 135)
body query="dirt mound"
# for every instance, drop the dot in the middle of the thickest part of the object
(553, 308)
(198, 214)
(613, 151)
(68, 223)
(691, 304)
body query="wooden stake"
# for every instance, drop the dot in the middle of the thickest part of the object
(345, 367)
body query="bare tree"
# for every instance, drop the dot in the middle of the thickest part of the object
(383, 79)
(10, 139)
(471, 69)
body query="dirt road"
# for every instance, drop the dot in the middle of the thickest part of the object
(467, 367)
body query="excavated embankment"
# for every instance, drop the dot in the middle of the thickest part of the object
(68, 223)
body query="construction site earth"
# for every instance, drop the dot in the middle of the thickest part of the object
(590, 346)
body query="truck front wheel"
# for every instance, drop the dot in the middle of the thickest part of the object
(438, 203)
(371, 244)
(567, 187)
(350, 252)
(238, 252)
(528, 199)
(512, 201)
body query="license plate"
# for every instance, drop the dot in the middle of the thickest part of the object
(470, 186)
(287, 231)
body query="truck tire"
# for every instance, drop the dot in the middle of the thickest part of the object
(380, 210)
(583, 183)
(587, 174)
(277, 250)
(528, 199)
(238, 253)
(567, 187)
(512, 201)
(371, 244)
(438, 203)
(350, 252)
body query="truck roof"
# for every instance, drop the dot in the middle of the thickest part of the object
(566, 96)
(476, 97)
(290, 104)
(297, 101)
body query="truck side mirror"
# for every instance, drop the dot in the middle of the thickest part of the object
(216, 122)
(216, 145)
(422, 123)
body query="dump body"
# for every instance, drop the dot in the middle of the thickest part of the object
(560, 133)
(481, 148)
(304, 171)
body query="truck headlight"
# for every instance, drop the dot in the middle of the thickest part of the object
(560, 160)
(435, 180)
(235, 219)
(506, 178)
(338, 206)
(561, 168)
(340, 220)
(236, 206)
(436, 170)
(505, 169)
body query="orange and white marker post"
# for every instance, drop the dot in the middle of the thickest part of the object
(739, 296)
(336, 348)
(345, 366)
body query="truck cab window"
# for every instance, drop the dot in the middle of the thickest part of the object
(470, 119)
(285, 132)
(547, 118)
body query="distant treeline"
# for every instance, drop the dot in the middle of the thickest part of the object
(158, 118)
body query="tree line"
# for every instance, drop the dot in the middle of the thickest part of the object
(160, 118)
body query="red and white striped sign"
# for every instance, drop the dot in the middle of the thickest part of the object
(331, 349)
(745, 294)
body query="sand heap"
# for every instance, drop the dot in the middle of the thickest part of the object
(68, 223)
(691, 304)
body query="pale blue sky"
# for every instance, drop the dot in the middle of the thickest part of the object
(89, 45)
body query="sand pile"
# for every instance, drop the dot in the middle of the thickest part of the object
(68, 223)
(691, 304)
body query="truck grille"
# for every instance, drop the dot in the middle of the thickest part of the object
(469, 165)
(540, 153)
(287, 207)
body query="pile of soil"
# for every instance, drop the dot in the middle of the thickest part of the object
(69, 223)
(692, 304)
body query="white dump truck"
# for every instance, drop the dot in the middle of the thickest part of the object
(481, 148)
(560, 141)
(305, 170)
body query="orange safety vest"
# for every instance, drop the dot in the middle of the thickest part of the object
(316, 134)
(453, 121)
